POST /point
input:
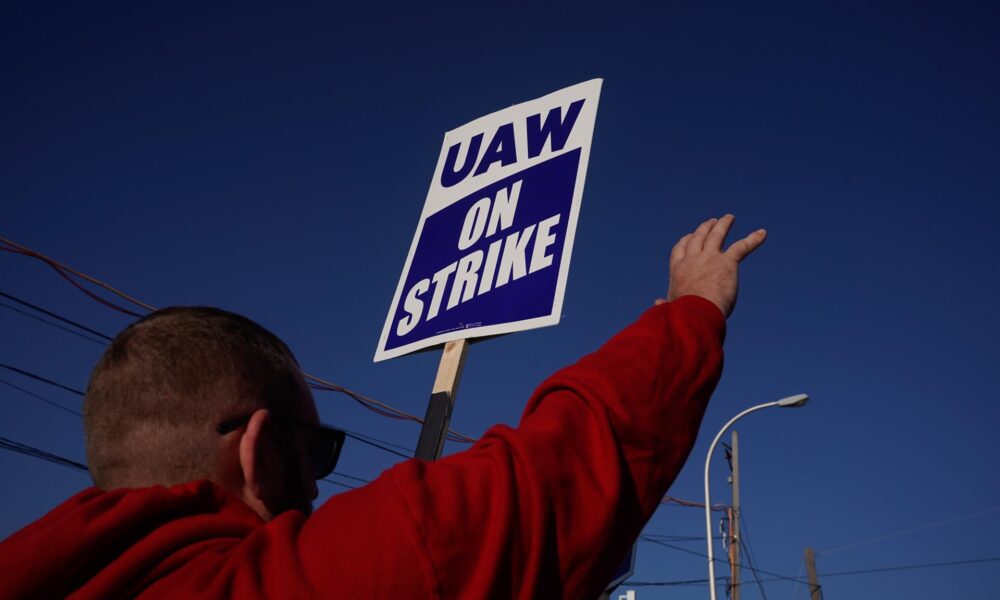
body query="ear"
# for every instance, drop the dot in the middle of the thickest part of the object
(257, 462)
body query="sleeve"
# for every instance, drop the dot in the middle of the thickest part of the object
(548, 509)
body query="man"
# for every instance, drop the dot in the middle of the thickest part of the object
(203, 442)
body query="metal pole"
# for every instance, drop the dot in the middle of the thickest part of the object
(708, 499)
(734, 528)
(789, 402)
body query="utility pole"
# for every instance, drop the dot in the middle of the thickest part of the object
(814, 589)
(734, 518)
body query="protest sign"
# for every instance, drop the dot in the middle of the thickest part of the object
(492, 249)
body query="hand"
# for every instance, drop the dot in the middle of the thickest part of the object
(699, 266)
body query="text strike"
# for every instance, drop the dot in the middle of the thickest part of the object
(506, 259)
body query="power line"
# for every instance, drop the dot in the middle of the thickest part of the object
(52, 324)
(376, 445)
(795, 590)
(672, 547)
(25, 449)
(900, 533)
(365, 439)
(748, 550)
(38, 397)
(370, 438)
(692, 504)
(343, 485)
(753, 569)
(65, 271)
(685, 550)
(360, 399)
(345, 476)
(935, 565)
(12, 446)
(908, 531)
(58, 317)
(376, 406)
(40, 378)
(352, 477)
(778, 577)
(665, 583)
(678, 538)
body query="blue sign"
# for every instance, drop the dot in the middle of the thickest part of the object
(492, 250)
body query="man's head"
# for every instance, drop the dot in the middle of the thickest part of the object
(158, 395)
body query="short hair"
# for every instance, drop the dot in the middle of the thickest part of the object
(157, 394)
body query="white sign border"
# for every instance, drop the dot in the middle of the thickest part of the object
(591, 90)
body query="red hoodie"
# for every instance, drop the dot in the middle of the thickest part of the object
(545, 510)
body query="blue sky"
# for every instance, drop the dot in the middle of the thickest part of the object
(274, 160)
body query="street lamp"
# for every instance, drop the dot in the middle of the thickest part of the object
(789, 402)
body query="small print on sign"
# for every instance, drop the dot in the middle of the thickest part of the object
(492, 249)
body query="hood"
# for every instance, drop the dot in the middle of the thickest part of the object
(103, 544)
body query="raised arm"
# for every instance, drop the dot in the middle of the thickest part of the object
(547, 509)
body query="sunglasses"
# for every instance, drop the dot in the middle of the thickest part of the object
(323, 448)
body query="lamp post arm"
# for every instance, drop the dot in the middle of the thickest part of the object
(708, 500)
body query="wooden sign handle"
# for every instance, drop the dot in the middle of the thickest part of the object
(437, 420)
(450, 370)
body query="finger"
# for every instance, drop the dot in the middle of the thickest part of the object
(680, 249)
(717, 235)
(697, 240)
(742, 248)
